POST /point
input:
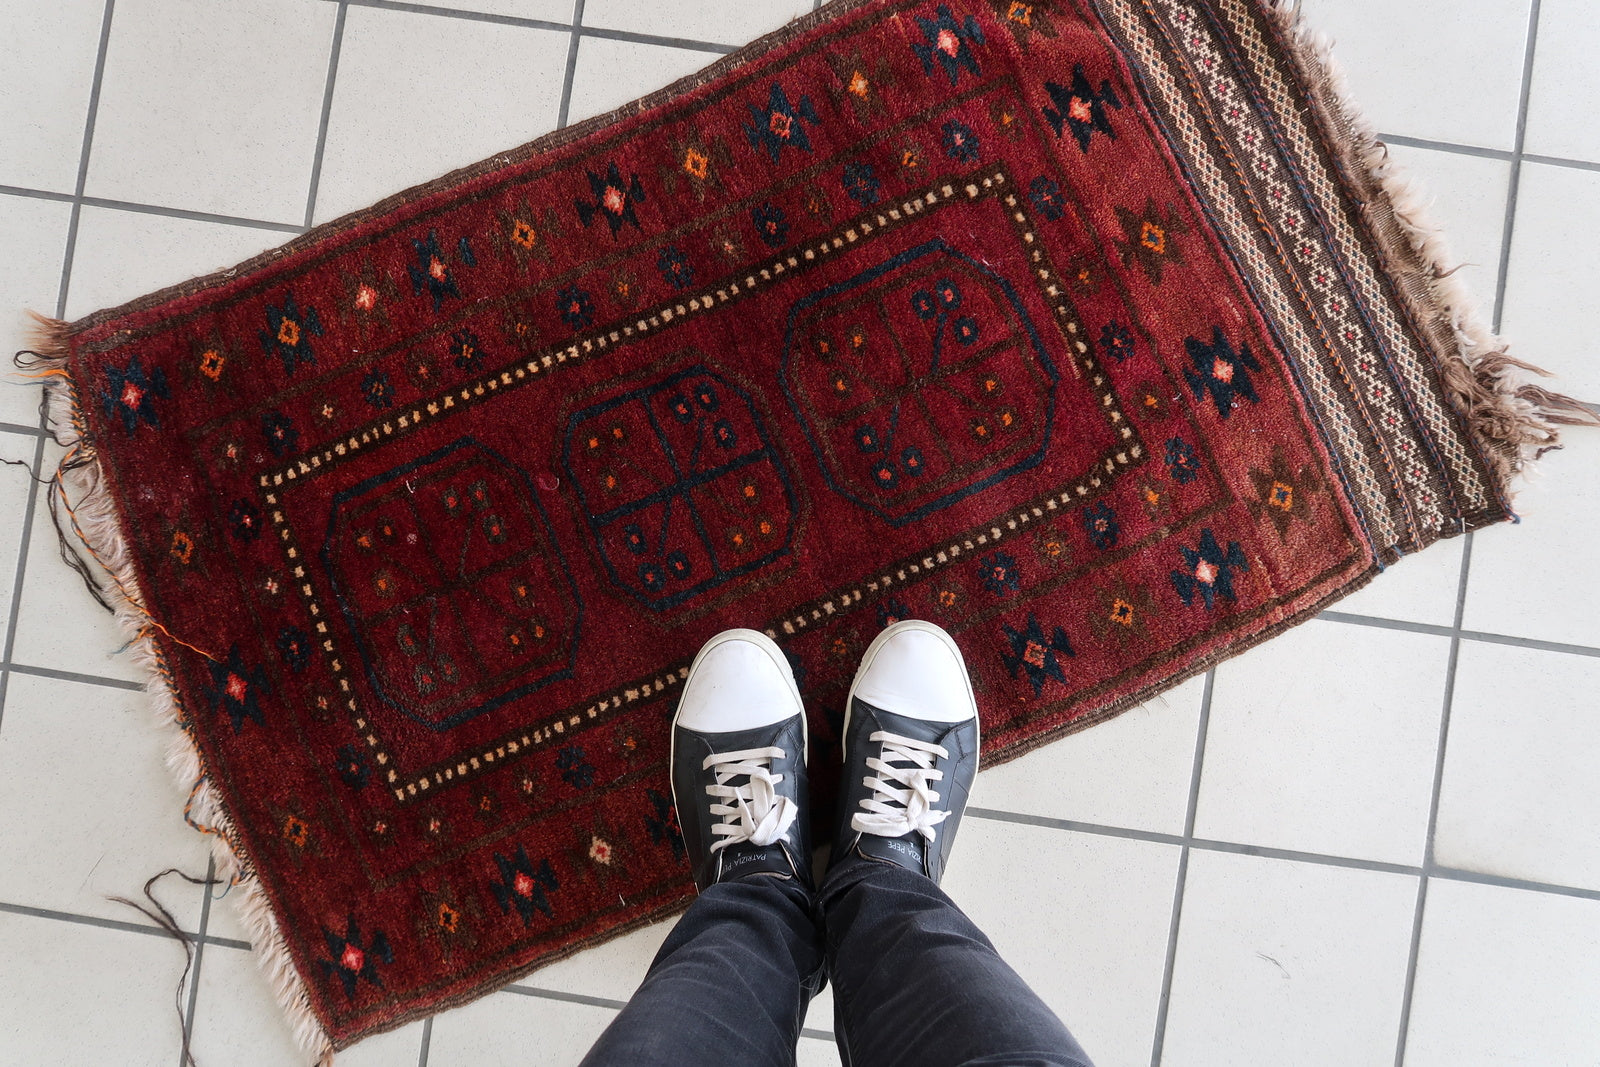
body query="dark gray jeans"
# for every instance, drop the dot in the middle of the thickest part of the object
(915, 982)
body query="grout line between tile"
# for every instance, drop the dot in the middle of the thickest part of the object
(83, 154)
(1529, 48)
(572, 64)
(1158, 1041)
(427, 1039)
(567, 998)
(1098, 829)
(20, 572)
(1444, 146)
(1458, 874)
(185, 213)
(199, 957)
(686, 43)
(1558, 161)
(36, 194)
(327, 110)
(1200, 843)
(90, 920)
(66, 676)
(1451, 147)
(1446, 702)
(30, 431)
(1479, 636)
(455, 13)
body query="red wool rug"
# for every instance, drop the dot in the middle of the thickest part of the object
(1089, 331)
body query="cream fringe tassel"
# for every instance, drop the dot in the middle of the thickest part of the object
(1515, 420)
(91, 521)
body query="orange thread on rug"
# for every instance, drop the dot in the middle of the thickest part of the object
(72, 516)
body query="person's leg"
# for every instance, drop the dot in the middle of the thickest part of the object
(915, 981)
(732, 981)
(730, 984)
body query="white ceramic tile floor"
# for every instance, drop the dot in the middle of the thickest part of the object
(1230, 874)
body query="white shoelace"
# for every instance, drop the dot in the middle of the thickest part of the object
(757, 813)
(901, 799)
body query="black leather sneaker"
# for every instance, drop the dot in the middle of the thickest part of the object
(910, 750)
(739, 763)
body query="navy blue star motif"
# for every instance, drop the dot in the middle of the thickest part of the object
(523, 886)
(131, 393)
(613, 199)
(1036, 655)
(779, 124)
(1221, 371)
(663, 825)
(1080, 108)
(234, 688)
(432, 271)
(1209, 571)
(948, 43)
(287, 333)
(353, 959)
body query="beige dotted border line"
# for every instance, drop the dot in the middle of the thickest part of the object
(541, 735)
(297, 571)
(443, 404)
(965, 545)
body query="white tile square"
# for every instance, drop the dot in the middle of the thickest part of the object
(1552, 277)
(1425, 69)
(74, 995)
(515, 1028)
(1093, 944)
(1323, 740)
(59, 624)
(35, 233)
(213, 107)
(44, 90)
(1520, 797)
(1132, 771)
(815, 1052)
(734, 22)
(400, 117)
(89, 807)
(1566, 82)
(121, 255)
(612, 73)
(1422, 587)
(1505, 976)
(611, 971)
(1284, 962)
(237, 1021)
(14, 489)
(1539, 578)
(1465, 199)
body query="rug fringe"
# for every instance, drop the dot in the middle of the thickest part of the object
(93, 528)
(1515, 420)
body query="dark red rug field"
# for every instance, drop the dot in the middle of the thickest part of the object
(1085, 331)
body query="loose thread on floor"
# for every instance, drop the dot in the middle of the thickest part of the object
(164, 919)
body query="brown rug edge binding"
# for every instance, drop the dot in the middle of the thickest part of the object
(1513, 419)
